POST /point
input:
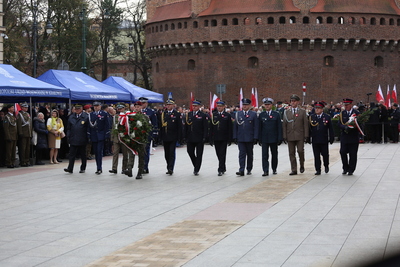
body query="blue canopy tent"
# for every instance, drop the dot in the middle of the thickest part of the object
(16, 86)
(135, 91)
(84, 87)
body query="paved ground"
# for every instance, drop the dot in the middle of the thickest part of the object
(51, 218)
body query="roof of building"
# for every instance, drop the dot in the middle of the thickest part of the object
(218, 7)
(357, 6)
(178, 10)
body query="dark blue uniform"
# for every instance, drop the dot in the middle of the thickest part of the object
(321, 132)
(270, 134)
(170, 133)
(245, 131)
(349, 142)
(153, 120)
(196, 131)
(77, 129)
(221, 132)
(99, 128)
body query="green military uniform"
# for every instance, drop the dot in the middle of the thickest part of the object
(11, 136)
(24, 126)
(117, 146)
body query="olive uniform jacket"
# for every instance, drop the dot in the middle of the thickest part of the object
(24, 124)
(295, 125)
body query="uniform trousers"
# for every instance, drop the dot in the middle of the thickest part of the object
(292, 145)
(318, 151)
(349, 163)
(395, 133)
(265, 156)
(169, 154)
(73, 151)
(11, 148)
(245, 151)
(98, 148)
(146, 156)
(117, 146)
(24, 149)
(220, 150)
(195, 151)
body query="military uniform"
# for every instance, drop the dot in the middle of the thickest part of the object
(117, 145)
(11, 137)
(321, 133)
(153, 120)
(24, 125)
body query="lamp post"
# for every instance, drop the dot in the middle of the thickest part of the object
(82, 16)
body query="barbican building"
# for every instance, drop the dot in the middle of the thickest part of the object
(339, 48)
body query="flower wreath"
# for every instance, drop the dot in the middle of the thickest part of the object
(133, 130)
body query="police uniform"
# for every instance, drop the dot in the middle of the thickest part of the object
(24, 126)
(349, 139)
(117, 145)
(196, 131)
(221, 132)
(99, 128)
(153, 120)
(245, 133)
(11, 136)
(270, 136)
(321, 132)
(170, 133)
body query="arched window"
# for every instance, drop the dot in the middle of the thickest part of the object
(235, 21)
(172, 26)
(252, 62)
(292, 20)
(246, 21)
(363, 21)
(157, 67)
(306, 20)
(224, 22)
(258, 21)
(156, 28)
(270, 20)
(382, 21)
(206, 23)
(161, 28)
(282, 20)
(179, 25)
(329, 20)
(213, 23)
(398, 22)
(152, 29)
(391, 21)
(352, 20)
(166, 27)
(195, 24)
(340, 20)
(378, 61)
(328, 61)
(319, 20)
(373, 21)
(191, 64)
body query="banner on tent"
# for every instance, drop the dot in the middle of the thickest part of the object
(31, 93)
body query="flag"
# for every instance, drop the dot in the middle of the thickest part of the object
(191, 101)
(214, 101)
(253, 97)
(170, 95)
(17, 108)
(394, 94)
(379, 95)
(240, 99)
(256, 93)
(387, 102)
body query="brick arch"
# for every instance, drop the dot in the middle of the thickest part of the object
(305, 4)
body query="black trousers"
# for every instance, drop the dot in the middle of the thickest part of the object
(265, 156)
(349, 163)
(98, 148)
(245, 151)
(73, 151)
(169, 154)
(395, 133)
(220, 150)
(320, 150)
(195, 151)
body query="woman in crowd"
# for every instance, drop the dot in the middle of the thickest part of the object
(40, 128)
(55, 127)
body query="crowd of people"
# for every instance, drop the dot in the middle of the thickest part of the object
(90, 132)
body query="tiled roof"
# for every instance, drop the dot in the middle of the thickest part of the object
(218, 7)
(178, 10)
(357, 6)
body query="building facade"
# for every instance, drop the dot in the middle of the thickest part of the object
(2, 33)
(339, 48)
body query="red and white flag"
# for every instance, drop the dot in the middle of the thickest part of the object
(379, 95)
(214, 101)
(387, 102)
(191, 101)
(394, 94)
(240, 99)
(254, 97)
(17, 108)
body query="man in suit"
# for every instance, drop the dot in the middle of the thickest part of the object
(270, 135)
(170, 133)
(295, 132)
(24, 126)
(221, 131)
(77, 134)
(349, 139)
(153, 120)
(11, 135)
(394, 123)
(117, 144)
(245, 135)
(98, 130)
(321, 132)
(195, 133)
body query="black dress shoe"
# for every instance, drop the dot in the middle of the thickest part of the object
(350, 173)
(220, 173)
(113, 171)
(68, 170)
(326, 169)
(301, 169)
(318, 173)
(40, 163)
(129, 173)
(24, 165)
(98, 172)
(196, 173)
(344, 172)
(170, 172)
(240, 173)
(146, 171)
(82, 171)
(139, 176)
(59, 160)
(265, 174)
(293, 173)
(123, 172)
(274, 172)
(248, 173)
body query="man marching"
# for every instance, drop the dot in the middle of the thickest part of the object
(153, 120)
(117, 144)
(221, 131)
(321, 132)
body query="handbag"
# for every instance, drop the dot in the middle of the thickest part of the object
(34, 138)
(62, 134)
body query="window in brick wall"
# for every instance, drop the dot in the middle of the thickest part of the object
(292, 20)
(172, 26)
(378, 61)
(306, 20)
(340, 20)
(166, 27)
(329, 20)
(382, 21)
(373, 21)
(156, 28)
(352, 20)
(191, 64)
(195, 24)
(179, 25)
(258, 21)
(270, 20)
(185, 25)
(282, 20)
(235, 21)
(391, 21)
(152, 29)
(363, 21)
(224, 22)
(252, 62)
(319, 20)
(214, 23)
(246, 21)
(328, 61)
(161, 28)
(157, 67)
(398, 22)
(206, 23)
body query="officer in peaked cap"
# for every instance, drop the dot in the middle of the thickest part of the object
(24, 125)
(11, 135)
(143, 99)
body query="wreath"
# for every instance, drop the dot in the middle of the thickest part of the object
(133, 130)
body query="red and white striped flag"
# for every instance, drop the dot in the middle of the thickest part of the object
(394, 94)
(17, 108)
(379, 95)
(254, 97)
(240, 99)
(387, 102)
(214, 101)
(191, 101)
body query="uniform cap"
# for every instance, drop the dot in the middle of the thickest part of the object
(319, 104)
(96, 103)
(138, 103)
(295, 97)
(86, 106)
(246, 101)
(78, 106)
(221, 103)
(170, 101)
(24, 105)
(196, 102)
(268, 100)
(143, 99)
(347, 100)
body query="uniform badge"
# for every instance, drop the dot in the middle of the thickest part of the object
(82, 122)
